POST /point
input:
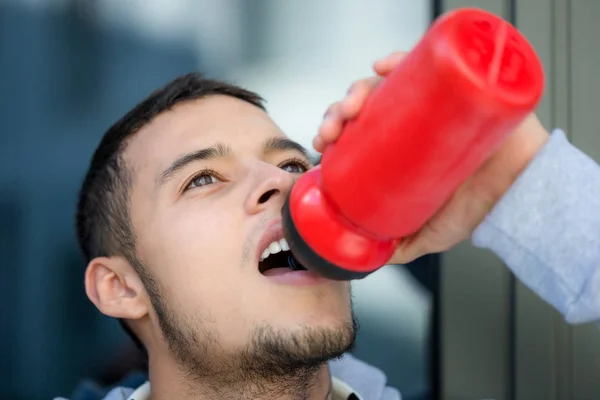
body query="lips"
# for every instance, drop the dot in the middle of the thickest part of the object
(273, 234)
(274, 255)
(274, 260)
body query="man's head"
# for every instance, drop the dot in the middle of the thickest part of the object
(182, 198)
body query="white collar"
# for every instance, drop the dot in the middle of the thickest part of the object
(341, 391)
(141, 393)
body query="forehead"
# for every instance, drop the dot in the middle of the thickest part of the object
(197, 124)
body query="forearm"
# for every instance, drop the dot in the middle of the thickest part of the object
(547, 229)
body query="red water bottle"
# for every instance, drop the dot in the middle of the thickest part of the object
(422, 132)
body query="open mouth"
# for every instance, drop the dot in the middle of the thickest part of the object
(277, 259)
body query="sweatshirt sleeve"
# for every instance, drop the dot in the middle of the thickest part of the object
(547, 229)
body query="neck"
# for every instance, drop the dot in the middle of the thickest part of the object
(168, 381)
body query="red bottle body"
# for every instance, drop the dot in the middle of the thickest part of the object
(429, 125)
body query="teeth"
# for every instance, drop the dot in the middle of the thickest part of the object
(284, 245)
(264, 254)
(274, 248)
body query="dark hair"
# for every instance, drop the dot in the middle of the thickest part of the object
(103, 219)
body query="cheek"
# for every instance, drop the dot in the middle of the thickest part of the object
(197, 254)
(195, 236)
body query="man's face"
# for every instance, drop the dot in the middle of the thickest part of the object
(209, 180)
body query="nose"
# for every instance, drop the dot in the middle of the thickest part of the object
(270, 186)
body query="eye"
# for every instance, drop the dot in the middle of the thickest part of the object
(202, 179)
(295, 166)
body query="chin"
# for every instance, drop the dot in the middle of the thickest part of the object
(329, 314)
(324, 339)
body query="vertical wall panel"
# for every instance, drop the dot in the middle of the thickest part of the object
(541, 351)
(475, 292)
(533, 354)
(584, 80)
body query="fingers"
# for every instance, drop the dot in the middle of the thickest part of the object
(319, 144)
(387, 64)
(330, 129)
(454, 222)
(339, 113)
(451, 224)
(428, 240)
(356, 96)
(409, 250)
(342, 111)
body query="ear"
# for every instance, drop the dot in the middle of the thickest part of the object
(115, 288)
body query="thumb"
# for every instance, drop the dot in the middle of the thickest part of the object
(411, 248)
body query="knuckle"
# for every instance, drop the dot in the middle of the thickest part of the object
(332, 110)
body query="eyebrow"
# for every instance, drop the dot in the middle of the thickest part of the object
(221, 150)
(283, 144)
(218, 150)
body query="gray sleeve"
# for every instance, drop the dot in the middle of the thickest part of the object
(547, 229)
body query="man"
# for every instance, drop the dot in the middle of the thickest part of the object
(179, 219)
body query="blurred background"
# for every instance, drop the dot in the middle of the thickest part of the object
(453, 327)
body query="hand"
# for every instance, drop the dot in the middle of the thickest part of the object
(467, 208)
(349, 107)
